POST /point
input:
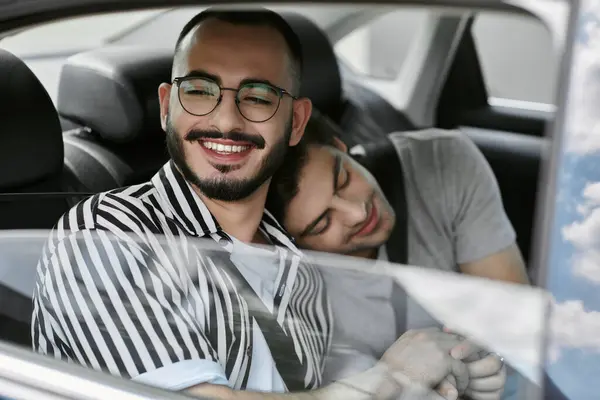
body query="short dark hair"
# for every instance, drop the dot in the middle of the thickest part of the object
(254, 17)
(285, 182)
(320, 130)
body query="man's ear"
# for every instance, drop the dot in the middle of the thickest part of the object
(164, 98)
(339, 144)
(302, 109)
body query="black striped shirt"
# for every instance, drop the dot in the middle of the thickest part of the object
(123, 286)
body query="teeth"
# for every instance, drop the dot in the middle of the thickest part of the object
(221, 148)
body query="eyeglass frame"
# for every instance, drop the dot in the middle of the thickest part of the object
(279, 90)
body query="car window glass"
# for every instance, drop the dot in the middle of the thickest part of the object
(379, 48)
(428, 299)
(361, 291)
(515, 51)
(57, 37)
(516, 57)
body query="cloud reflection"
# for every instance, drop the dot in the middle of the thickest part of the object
(584, 235)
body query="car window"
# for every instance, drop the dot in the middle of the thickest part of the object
(379, 48)
(45, 47)
(517, 58)
(57, 37)
(515, 51)
(127, 304)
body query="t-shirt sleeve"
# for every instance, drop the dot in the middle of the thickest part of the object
(110, 305)
(479, 221)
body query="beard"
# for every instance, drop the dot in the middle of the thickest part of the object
(224, 188)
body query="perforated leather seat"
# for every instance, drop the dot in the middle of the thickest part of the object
(109, 99)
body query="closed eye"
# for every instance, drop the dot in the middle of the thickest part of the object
(344, 178)
(321, 226)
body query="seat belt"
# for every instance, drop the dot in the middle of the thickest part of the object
(280, 344)
(382, 160)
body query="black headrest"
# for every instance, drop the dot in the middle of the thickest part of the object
(114, 90)
(31, 145)
(321, 80)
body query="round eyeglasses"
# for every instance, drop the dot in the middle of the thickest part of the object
(256, 101)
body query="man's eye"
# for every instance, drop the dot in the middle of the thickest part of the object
(199, 92)
(343, 179)
(321, 226)
(257, 101)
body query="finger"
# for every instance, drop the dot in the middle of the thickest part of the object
(447, 390)
(451, 379)
(490, 383)
(487, 366)
(474, 395)
(424, 332)
(444, 341)
(461, 373)
(464, 350)
(412, 333)
(445, 329)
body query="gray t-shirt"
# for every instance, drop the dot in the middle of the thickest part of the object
(455, 211)
(455, 215)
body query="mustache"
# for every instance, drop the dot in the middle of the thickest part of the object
(256, 140)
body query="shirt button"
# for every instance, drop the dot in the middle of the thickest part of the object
(223, 242)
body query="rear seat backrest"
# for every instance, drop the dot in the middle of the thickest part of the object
(321, 80)
(110, 98)
(515, 160)
(362, 114)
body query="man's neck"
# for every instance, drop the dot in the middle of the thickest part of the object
(240, 219)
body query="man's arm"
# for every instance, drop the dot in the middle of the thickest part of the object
(485, 241)
(505, 265)
(116, 308)
(417, 365)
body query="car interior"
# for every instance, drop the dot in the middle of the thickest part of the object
(105, 132)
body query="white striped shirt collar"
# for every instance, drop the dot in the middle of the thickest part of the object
(188, 208)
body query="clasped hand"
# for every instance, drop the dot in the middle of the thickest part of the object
(433, 364)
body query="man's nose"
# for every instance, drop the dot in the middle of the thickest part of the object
(226, 117)
(354, 211)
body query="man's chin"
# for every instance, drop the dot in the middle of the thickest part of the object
(367, 249)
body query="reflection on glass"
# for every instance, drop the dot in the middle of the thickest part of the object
(176, 314)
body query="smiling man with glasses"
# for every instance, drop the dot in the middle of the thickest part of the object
(124, 287)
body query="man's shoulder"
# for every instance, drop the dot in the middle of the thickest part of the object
(431, 140)
(84, 214)
(449, 150)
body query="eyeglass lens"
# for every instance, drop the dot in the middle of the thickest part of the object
(257, 102)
